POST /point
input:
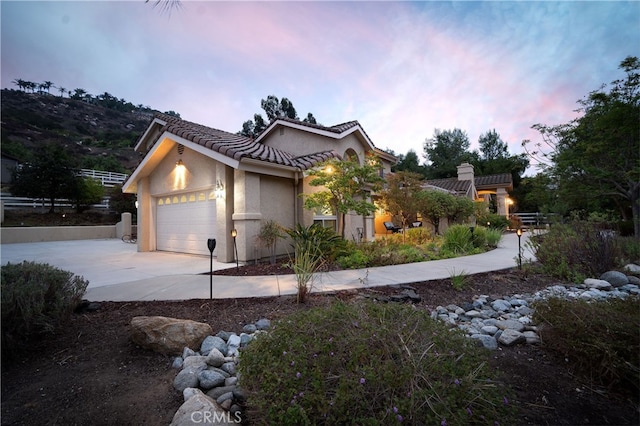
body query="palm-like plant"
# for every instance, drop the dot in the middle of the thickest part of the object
(20, 83)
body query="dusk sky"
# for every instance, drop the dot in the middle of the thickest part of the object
(402, 69)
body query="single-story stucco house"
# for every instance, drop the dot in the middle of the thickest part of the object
(195, 182)
(479, 188)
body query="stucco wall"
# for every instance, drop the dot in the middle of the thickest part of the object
(302, 143)
(36, 234)
(277, 201)
(199, 173)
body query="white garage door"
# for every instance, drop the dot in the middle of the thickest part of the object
(184, 222)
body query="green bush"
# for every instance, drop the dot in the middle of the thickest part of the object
(599, 339)
(576, 251)
(457, 239)
(367, 363)
(493, 237)
(328, 243)
(36, 298)
(355, 260)
(492, 220)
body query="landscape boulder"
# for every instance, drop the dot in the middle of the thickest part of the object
(168, 336)
(615, 278)
(199, 409)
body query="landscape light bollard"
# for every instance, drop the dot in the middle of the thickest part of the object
(519, 234)
(211, 244)
(234, 234)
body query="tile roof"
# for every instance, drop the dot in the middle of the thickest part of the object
(503, 179)
(338, 128)
(237, 146)
(451, 184)
(481, 182)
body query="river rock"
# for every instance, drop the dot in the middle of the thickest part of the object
(633, 268)
(487, 341)
(168, 336)
(200, 409)
(510, 337)
(213, 342)
(617, 279)
(599, 284)
(215, 358)
(510, 324)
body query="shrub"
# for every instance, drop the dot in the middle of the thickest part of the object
(492, 220)
(367, 363)
(576, 251)
(600, 339)
(328, 243)
(459, 280)
(36, 298)
(493, 237)
(355, 260)
(457, 239)
(270, 232)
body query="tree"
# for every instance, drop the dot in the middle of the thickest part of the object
(166, 6)
(310, 119)
(434, 205)
(274, 108)
(400, 195)
(121, 202)
(409, 163)
(346, 186)
(595, 158)
(494, 158)
(51, 175)
(88, 191)
(20, 83)
(445, 151)
(62, 90)
(46, 85)
(78, 94)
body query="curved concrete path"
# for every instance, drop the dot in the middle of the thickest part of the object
(117, 272)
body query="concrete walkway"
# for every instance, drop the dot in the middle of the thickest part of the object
(117, 272)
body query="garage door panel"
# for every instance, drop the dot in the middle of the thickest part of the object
(184, 226)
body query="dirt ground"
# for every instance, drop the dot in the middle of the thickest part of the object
(90, 373)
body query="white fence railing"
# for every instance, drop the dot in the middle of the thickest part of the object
(106, 178)
(532, 219)
(11, 202)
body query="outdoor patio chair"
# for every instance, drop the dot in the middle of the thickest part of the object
(389, 226)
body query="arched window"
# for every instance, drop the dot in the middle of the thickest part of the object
(351, 155)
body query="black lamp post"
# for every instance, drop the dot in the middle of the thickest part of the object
(211, 244)
(234, 234)
(519, 234)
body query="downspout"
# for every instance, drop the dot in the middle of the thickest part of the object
(295, 199)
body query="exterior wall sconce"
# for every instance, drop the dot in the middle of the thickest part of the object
(219, 190)
(234, 234)
(179, 163)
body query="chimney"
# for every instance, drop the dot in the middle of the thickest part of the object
(465, 172)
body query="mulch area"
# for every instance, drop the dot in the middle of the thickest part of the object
(89, 372)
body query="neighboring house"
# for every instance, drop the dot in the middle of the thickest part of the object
(196, 183)
(479, 187)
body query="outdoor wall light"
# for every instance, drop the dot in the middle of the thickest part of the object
(219, 190)
(179, 163)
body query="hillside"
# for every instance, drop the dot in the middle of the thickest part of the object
(100, 138)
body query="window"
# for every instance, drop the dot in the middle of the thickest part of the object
(325, 217)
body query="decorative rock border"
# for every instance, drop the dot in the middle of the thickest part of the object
(208, 379)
